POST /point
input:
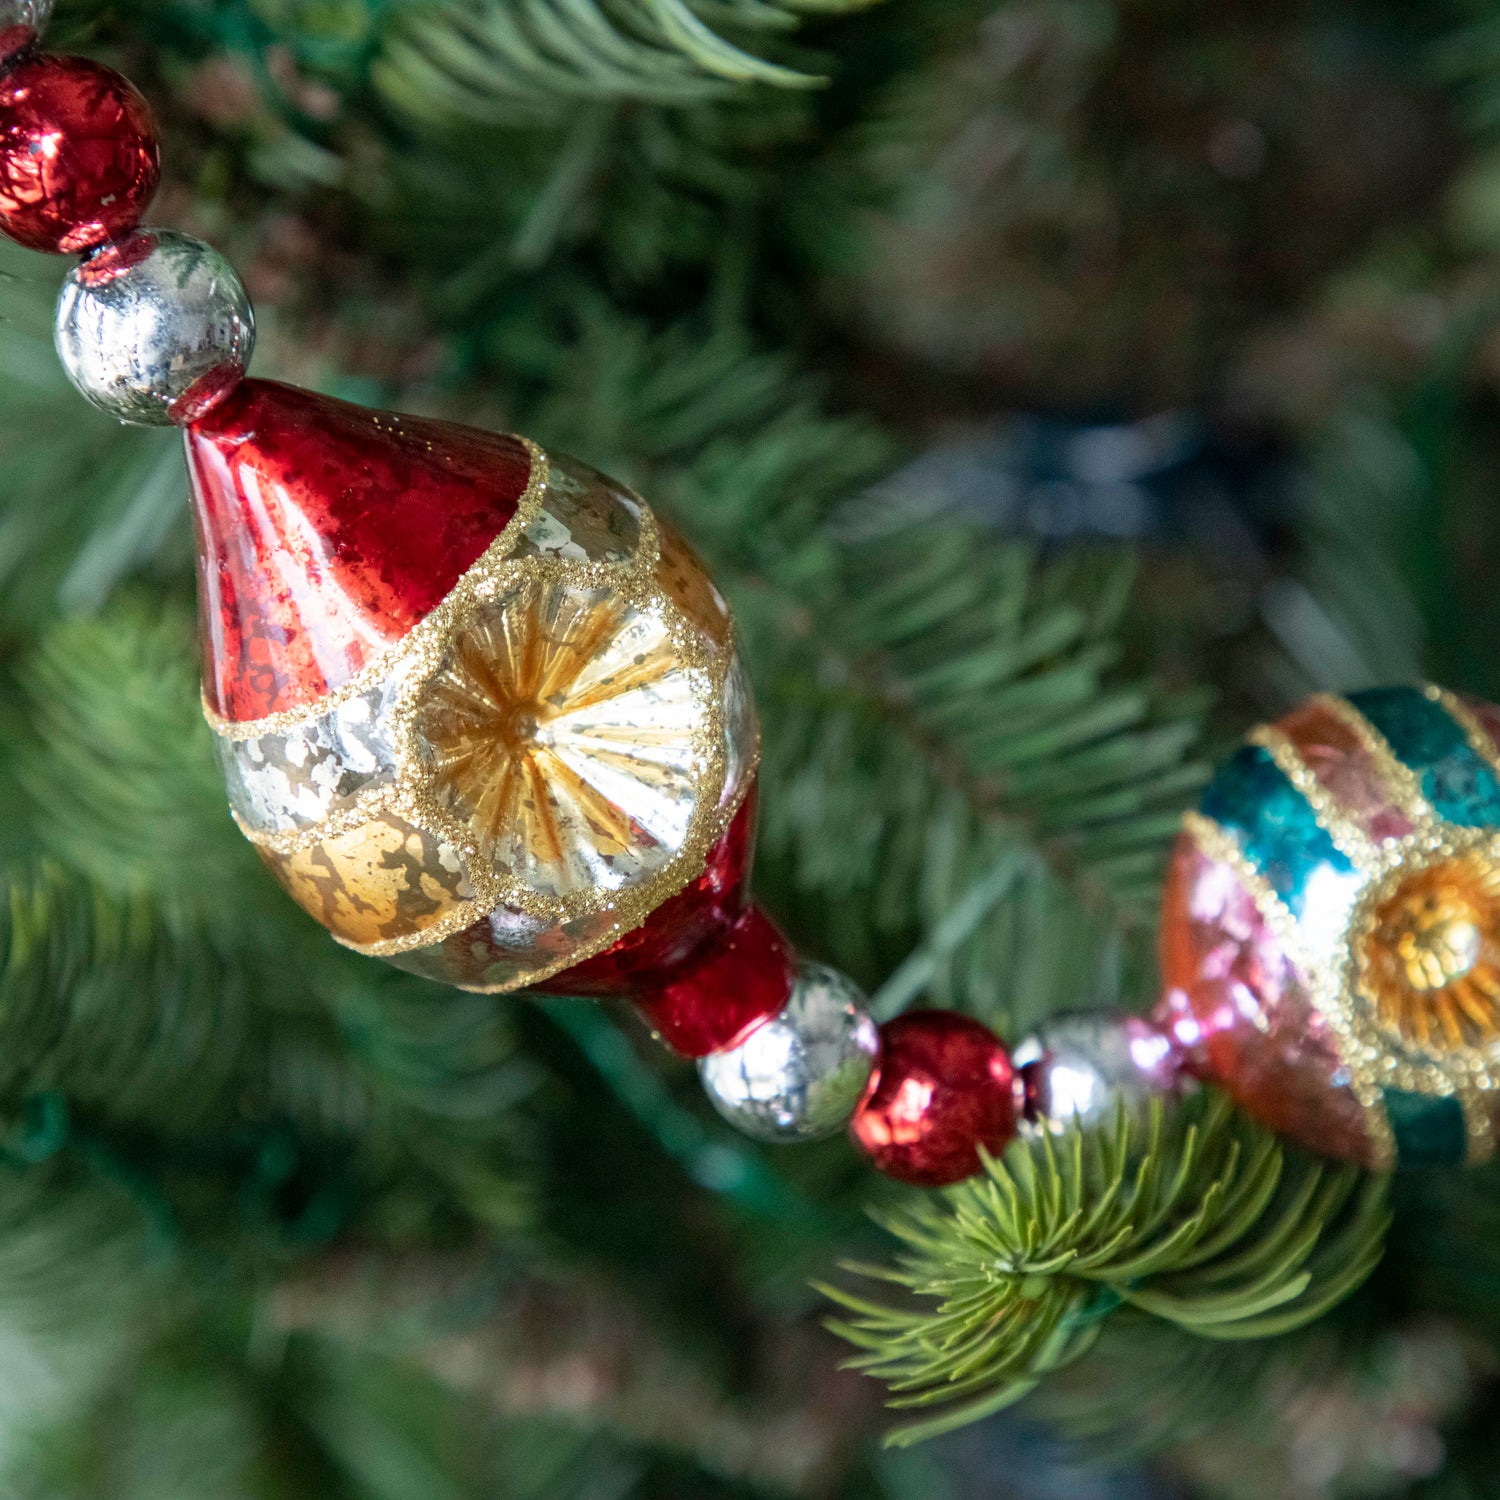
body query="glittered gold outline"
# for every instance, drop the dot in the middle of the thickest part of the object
(1349, 838)
(1397, 779)
(411, 792)
(1462, 715)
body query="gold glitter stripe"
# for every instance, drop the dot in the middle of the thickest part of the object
(436, 623)
(1462, 715)
(1218, 843)
(1377, 1124)
(1399, 781)
(1350, 839)
(364, 806)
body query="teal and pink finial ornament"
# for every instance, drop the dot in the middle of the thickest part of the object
(1330, 928)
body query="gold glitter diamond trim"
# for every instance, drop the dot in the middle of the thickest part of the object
(1461, 714)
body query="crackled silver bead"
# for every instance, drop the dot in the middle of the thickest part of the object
(28, 15)
(801, 1074)
(155, 328)
(1079, 1069)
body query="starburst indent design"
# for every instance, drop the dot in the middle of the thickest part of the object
(1429, 958)
(564, 730)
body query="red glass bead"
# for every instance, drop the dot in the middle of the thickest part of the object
(946, 1088)
(326, 532)
(642, 961)
(741, 979)
(79, 160)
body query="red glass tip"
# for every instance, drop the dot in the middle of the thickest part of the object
(326, 531)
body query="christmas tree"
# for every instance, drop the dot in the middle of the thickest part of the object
(1055, 388)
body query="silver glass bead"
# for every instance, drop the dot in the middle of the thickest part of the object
(155, 328)
(801, 1074)
(32, 15)
(1080, 1069)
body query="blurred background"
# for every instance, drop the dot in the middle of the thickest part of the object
(1163, 338)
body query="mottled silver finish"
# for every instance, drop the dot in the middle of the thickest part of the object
(32, 14)
(296, 778)
(801, 1074)
(1079, 1069)
(584, 517)
(154, 328)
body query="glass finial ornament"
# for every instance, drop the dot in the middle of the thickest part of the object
(479, 711)
(1330, 932)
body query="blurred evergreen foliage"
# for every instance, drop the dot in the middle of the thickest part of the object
(276, 1221)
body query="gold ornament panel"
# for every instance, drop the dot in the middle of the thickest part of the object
(563, 732)
(584, 517)
(685, 581)
(385, 879)
(506, 949)
(298, 778)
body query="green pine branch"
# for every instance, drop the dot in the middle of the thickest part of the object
(1213, 1229)
(489, 61)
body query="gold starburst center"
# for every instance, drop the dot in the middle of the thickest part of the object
(562, 731)
(1429, 955)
